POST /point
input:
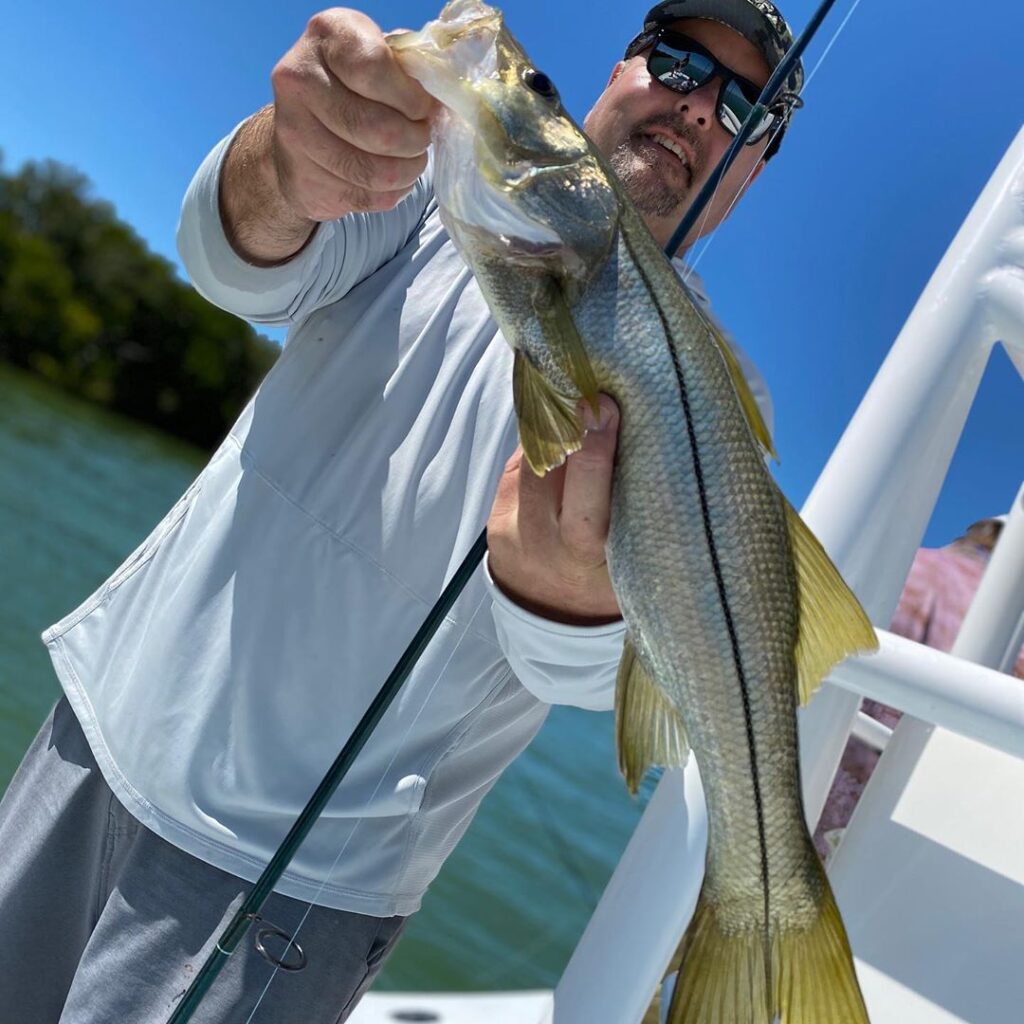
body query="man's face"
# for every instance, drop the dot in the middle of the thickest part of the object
(635, 109)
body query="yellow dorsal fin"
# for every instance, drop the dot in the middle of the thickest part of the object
(648, 728)
(552, 309)
(832, 624)
(549, 424)
(739, 380)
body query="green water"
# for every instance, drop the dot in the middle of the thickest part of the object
(80, 488)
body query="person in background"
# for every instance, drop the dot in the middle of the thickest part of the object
(939, 589)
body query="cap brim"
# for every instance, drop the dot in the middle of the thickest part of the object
(769, 34)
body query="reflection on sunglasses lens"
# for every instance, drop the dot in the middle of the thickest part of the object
(736, 107)
(736, 102)
(685, 70)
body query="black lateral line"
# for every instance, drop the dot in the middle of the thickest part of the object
(727, 613)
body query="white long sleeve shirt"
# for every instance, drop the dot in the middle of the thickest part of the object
(219, 671)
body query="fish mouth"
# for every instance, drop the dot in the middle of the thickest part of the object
(448, 54)
(513, 174)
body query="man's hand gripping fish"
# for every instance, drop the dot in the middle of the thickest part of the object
(734, 611)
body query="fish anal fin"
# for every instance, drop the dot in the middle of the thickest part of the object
(648, 728)
(832, 623)
(549, 422)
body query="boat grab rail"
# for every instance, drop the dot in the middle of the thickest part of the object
(961, 696)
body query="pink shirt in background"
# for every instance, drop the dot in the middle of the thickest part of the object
(937, 594)
(935, 599)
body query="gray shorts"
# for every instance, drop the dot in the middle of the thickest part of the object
(104, 922)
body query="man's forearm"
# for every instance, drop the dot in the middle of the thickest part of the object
(260, 225)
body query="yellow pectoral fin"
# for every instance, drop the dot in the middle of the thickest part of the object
(832, 625)
(552, 309)
(648, 728)
(549, 425)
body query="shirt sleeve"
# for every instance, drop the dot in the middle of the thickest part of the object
(340, 254)
(558, 663)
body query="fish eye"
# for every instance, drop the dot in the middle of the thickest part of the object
(540, 84)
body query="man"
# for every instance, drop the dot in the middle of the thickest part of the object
(210, 682)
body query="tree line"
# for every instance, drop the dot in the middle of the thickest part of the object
(85, 304)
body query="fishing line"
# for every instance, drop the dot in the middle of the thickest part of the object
(394, 757)
(588, 894)
(248, 912)
(691, 267)
(482, 982)
(814, 71)
(772, 92)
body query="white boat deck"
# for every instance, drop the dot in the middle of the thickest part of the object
(932, 889)
(489, 1008)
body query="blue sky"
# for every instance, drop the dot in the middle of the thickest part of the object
(815, 272)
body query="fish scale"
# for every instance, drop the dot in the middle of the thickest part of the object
(681, 617)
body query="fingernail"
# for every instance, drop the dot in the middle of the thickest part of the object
(603, 419)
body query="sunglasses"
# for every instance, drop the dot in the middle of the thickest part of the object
(683, 65)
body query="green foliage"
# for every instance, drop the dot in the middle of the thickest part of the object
(84, 303)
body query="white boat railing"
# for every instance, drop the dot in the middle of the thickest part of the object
(870, 508)
(962, 696)
(929, 872)
(870, 731)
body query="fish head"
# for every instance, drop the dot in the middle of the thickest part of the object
(515, 177)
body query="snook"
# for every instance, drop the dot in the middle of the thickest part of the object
(734, 611)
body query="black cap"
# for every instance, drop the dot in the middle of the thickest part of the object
(758, 21)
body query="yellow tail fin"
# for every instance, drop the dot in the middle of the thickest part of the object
(724, 976)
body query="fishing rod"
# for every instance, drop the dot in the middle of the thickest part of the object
(248, 913)
(769, 94)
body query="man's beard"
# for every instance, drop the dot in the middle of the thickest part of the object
(645, 184)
